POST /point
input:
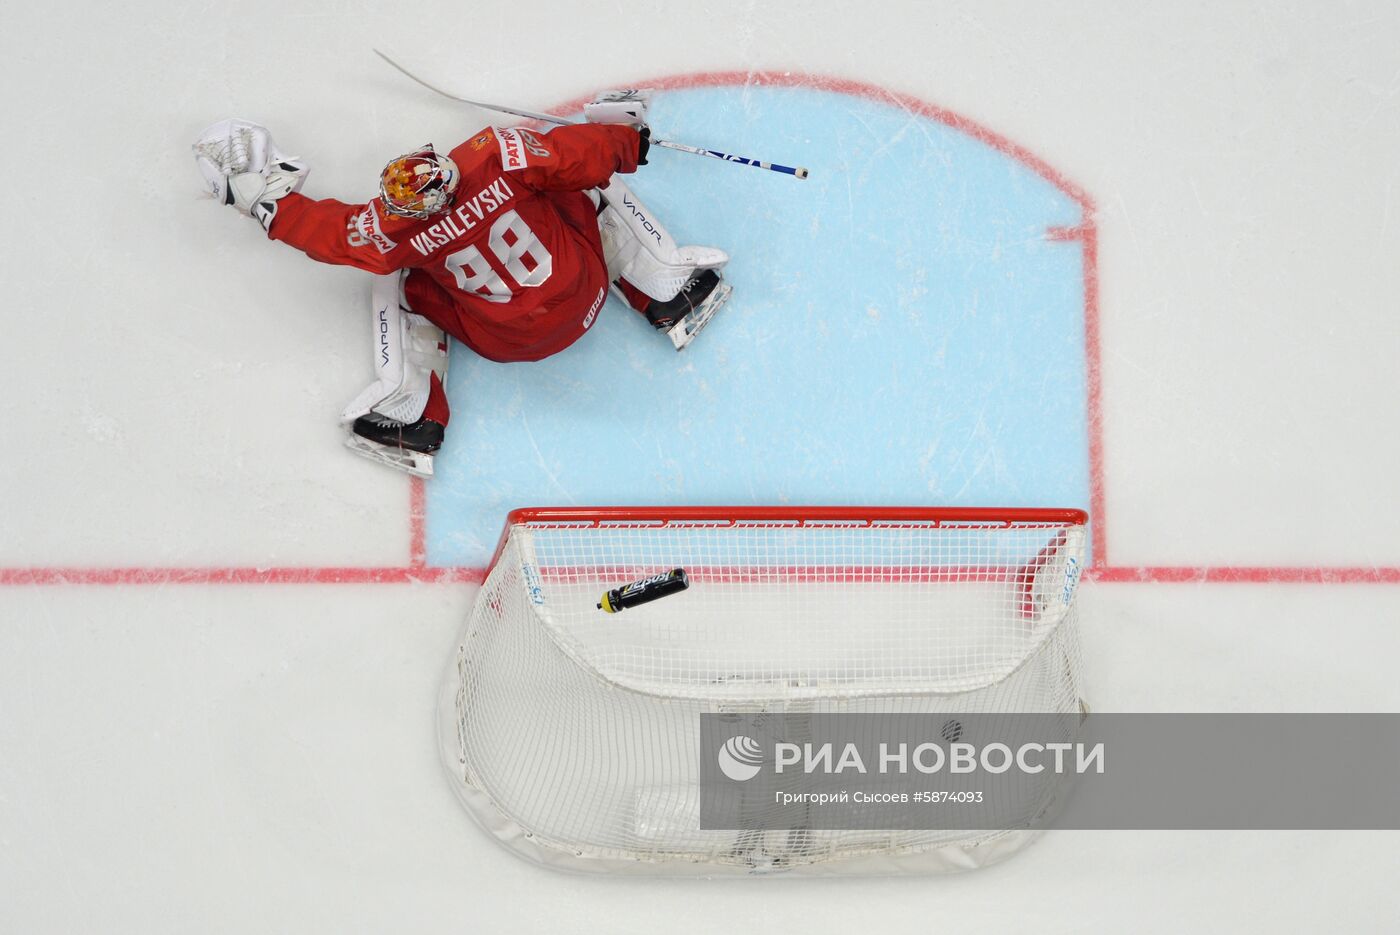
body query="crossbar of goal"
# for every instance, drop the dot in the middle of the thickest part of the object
(791, 516)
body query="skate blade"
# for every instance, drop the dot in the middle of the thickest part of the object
(689, 327)
(410, 462)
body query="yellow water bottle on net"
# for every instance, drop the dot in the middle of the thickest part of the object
(644, 591)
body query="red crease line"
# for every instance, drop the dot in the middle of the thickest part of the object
(417, 523)
(1093, 376)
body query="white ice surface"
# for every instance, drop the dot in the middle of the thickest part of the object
(187, 758)
(264, 759)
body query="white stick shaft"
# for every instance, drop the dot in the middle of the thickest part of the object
(514, 111)
(797, 171)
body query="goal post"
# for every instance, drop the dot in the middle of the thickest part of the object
(573, 735)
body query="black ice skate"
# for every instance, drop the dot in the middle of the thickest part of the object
(408, 447)
(686, 315)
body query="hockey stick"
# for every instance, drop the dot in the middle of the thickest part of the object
(795, 171)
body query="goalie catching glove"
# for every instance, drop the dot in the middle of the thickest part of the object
(243, 168)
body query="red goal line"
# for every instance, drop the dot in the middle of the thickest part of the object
(1172, 574)
(74, 576)
(417, 570)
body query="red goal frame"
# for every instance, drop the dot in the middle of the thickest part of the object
(798, 517)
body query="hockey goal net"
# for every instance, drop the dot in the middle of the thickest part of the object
(573, 735)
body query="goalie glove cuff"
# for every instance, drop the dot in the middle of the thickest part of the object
(256, 194)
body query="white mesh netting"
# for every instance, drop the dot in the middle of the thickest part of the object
(573, 735)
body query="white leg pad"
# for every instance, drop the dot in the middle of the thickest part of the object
(408, 349)
(638, 249)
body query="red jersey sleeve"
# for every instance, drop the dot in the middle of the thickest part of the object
(568, 158)
(335, 232)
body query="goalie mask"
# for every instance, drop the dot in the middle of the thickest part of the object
(419, 184)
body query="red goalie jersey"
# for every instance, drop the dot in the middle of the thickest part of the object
(514, 267)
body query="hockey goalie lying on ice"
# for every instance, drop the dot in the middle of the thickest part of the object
(508, 244)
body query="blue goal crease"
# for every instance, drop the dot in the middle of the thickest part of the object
(901, 332)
